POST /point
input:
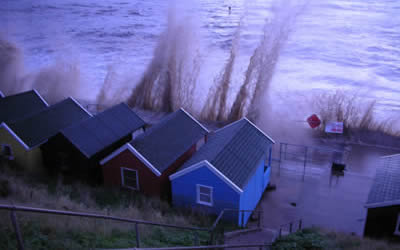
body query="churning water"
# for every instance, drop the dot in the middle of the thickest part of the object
(261, 58)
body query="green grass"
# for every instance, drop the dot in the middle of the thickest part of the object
(317, 239)
(36, 236)
(63, 232)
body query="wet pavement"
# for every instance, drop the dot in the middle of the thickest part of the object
(320, 198)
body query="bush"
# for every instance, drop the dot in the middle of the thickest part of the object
(355, 113)
(305, 239)
(317, 239)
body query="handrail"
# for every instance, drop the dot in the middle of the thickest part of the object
(92, 215)
(290, 224)
(298, 220)
(208, 247)
(321, 148)
(211, 230)
(226, 210)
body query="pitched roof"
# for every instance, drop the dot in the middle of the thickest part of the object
(235, 151)
(98, 132)
(16, 107)
(169, 139)
(2, 95)
(37, 128)
(385, 190)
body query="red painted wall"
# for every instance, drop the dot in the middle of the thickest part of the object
(149, 183)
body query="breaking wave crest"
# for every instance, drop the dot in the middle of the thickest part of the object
(170, 79)
(262, 64)
(54, 83)
(11, 68)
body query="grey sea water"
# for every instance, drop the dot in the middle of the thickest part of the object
(347, 44)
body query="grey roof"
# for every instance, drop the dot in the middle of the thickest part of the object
(386, 186)
(97, 133)
(39, 127)
(169, 139)
(16, 107)
(235, 150)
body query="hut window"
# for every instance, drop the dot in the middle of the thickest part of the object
(6, 151)
(204, 195)
(130, 178)
(397, 230)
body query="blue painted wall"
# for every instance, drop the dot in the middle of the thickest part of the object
(267, 177)
(254, 190)
(184, 191)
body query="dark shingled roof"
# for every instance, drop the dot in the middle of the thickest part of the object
(16, 107)
(97, 133)
(386, 186)
(39, 127)
(235, 150)
(169, 139)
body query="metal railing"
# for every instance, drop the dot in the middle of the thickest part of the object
(290, 227)
(241, 212)
(225, 246)
(212, 230)
(13, 209)
(309, 154)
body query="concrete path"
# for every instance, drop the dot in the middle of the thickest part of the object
(252, 236)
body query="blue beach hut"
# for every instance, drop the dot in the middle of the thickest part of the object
(231, 171)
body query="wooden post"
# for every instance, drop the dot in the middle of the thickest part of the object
(286, 150)
(280, 232)
(211, 237)
(290, 227)
(305, 161)
(223, 234)
(259, 219)
(137, 235)
(300, 222)
(196, 238)
(242, 219)
(280, 158)
(17, 231)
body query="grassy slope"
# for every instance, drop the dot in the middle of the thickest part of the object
(317, 239)
(62, 232)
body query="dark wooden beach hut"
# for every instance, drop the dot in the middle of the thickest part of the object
(146, 163)
(25, 135)
(383, 205)
(78, 149)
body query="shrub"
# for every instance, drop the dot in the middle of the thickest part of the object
(305, 239)
(355, 113)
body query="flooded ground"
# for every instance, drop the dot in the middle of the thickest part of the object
(319, 198)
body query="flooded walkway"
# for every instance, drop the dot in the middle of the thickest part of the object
(320, 199)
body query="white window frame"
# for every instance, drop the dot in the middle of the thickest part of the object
(396, 230)
(198, 195)
(123, 179)
(2, 146)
